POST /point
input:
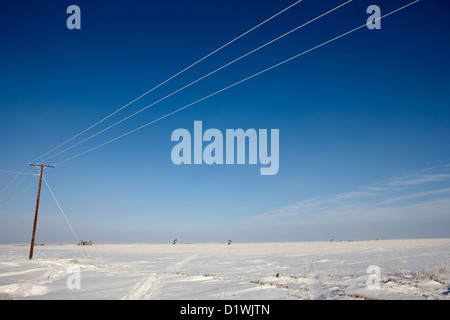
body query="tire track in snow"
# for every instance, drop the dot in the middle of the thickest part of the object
(144, 289)
(148, 285)
(47, 272)
(175, 267)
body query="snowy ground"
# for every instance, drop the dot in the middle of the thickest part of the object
(409, 269)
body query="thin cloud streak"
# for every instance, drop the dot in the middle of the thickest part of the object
(393, 195)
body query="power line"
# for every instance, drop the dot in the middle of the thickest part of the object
(17, 195)
(15, 186)
(199, 79)
(123, 135)
(236, 83)
(154, 88)
(29, 174)
(12, 181)
(172, 77)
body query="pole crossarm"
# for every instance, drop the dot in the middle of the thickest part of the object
(40, 165)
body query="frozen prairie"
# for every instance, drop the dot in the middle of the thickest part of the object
(404, 269)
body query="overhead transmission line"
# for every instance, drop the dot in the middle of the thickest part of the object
(238, 82)
(18, 194)
(199, 79)
(25, 175)
(172, 77)
(154, 88)
(221, 90)
(28, 174)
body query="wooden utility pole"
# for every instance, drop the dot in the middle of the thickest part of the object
(37, 205)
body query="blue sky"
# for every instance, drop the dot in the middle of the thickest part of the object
(364, 121)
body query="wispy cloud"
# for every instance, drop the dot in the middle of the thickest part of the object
(412, 196)
(420, 179)
(393, 195)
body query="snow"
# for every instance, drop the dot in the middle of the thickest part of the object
(408, 269)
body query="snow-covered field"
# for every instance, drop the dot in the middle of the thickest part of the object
(402, 269)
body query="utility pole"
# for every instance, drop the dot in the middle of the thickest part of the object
(37, 205)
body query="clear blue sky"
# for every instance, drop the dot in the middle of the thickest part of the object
(364, 121)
